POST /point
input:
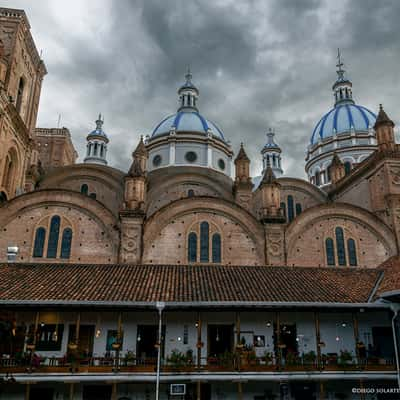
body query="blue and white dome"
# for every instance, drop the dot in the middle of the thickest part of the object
(187, 121)
(187, 139)
(346, 130)
(343, 118)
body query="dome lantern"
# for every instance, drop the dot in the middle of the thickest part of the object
(342, 88)
(188, 94)
(272, 154)
(96, 148)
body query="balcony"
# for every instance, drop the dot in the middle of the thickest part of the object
(233, 362)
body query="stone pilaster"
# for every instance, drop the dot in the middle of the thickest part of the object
(274, 244)
(131, 247)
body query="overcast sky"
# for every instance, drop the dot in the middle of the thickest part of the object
(258, 64)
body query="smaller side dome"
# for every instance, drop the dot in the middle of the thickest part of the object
(96, 148)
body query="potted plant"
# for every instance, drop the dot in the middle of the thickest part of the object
(129, 358)
(226, 359)
(176, 359)
(345, 358)
(309, 358)
(268, 358)
(291, 358)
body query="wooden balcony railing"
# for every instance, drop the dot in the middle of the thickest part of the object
(209, 364)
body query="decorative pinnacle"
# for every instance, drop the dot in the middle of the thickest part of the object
(188, 75)
(339, 65)
(99, 122)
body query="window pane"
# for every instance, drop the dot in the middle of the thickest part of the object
(216, 248)
(351, 249)
(84, 189)
(66, 243)
(48, 339)
(204, 242)
(341, 255)
(290, 209)
(40, 238)
(298, 209)
(283, 207)
(330, 251)
(53, 238)
(192, 247)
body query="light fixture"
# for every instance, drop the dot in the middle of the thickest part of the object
(268, 324)
(42, 324)
(98, 330)
(179, 339)
(337, 338)
(196, 324)
(139, 337)
(217, 337)
(55, 333)
(297, 339)
(344, 324)
(98, 333)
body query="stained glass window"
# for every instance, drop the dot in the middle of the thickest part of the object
(290, 209)
(204, 242)
(53, 237)
(351, 249)
(192, 247)
(330, 251)
(40, 238)
(216, 248)
(341, 254)
(66, 243)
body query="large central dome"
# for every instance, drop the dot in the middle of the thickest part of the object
(187, 121)
(186, 138)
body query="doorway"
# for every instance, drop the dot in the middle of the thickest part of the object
(383, 342)
(97, 392)
(41, 393)
(220, 339)
(86, 338)
(146, 340)
(303, 390)
(288, 342)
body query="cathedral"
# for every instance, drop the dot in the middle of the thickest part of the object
(183, 276)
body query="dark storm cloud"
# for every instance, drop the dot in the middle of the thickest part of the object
(258, 64)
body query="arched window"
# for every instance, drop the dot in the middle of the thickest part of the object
(95, 149)
(101, 150)
(20, 94)
(38, 246)
(351, 250)
(93, 196)
(290, 208)
(66, 243)
(317, 178)
(341, 254)
(3, 197)
(84, 189)
(53, 237)
(9, 171)
(330, 251)
(204, 242)
(328, 173)
(298, 209)
(347, 167)
(192, 247)
(283, 208)
(216, 248)
(190, 193)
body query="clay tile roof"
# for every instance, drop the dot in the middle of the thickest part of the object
(242, 154)
(382, 118)
(391, 276)
(184, 283)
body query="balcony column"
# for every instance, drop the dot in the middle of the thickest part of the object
(27, 391)
(35, 332)
(356, 337)
(114, 391)
(118, 343)
(321, 390)
(71, 391)
(238, 360)
(240, 391)
(278, 353)
(318, 339)
(198, 325)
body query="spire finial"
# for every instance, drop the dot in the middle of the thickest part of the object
(188, 75)
(340, 71)
(99, 122)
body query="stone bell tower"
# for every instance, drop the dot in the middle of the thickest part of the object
(243, 185)
(133, 212)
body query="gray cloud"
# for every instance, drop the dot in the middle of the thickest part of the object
(258, 64)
